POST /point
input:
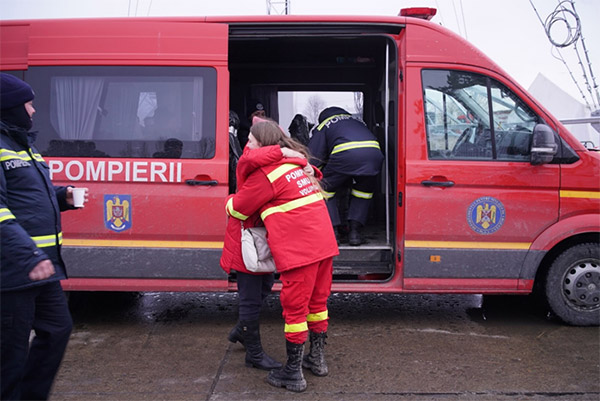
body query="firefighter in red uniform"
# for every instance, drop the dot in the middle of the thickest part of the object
(303, 246)
(253, 288)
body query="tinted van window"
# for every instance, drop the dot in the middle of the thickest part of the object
(140, 112)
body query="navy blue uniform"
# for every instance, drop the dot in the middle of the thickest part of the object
(30, 232)
(349, 152)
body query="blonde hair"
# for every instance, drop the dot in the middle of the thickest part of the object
(267, 132)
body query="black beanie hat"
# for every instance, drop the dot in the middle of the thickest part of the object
(14, 92)
(254, 105)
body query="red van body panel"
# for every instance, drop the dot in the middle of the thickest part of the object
(172, 230)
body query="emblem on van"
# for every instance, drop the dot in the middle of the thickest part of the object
(117, 212)
(486, 215)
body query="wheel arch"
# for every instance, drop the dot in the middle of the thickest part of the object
(556, 250)
(555, 240)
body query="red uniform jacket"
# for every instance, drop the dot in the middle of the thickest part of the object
(294, 212)
(232, 247)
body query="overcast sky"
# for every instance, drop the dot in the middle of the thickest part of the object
(508, 31)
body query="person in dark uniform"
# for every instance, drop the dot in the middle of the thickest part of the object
(254, 108)
(351, 154)
(32, 267)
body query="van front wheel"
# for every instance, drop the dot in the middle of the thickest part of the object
(573, 285)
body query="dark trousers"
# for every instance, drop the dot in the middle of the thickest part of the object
(362, 186)
(253, 289)
(28, 370)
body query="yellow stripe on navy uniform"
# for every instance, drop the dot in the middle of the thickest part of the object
(331, 118)
(355, 145)
(43, 241)
(363, 195)
(328, 195)
(6, 214)
(7, 154)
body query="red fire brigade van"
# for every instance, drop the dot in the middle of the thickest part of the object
(136, 109)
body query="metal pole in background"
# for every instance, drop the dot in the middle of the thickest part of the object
(280, 7)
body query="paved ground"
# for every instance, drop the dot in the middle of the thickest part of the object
(172, 346)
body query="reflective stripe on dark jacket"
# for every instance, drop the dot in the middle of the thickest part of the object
(346, 145)
(30, 208)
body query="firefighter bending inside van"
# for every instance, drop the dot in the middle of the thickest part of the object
(349, 153)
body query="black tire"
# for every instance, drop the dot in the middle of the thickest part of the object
(573, 285)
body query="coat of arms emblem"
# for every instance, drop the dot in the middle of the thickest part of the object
(117, 212)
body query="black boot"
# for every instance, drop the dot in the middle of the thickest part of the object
(290, 376)
(354, 237)
(315, 360)
(235, 335)
(255, 356)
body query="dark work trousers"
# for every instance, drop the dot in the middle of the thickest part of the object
(28, 370)
(253, 289)
(360, 195)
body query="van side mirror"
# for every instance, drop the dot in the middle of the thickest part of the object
(543, 145)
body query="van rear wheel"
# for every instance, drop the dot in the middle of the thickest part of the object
(573, 285)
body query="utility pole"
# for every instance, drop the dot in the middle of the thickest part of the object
(278, 7)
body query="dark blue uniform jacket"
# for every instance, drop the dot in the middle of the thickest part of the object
(29, 211)
(345, 145)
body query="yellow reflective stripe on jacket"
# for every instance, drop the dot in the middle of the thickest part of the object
(295, 328)
(291, 205)
(281, 170)
(331, 118)
(6, 154)
(233, 213)
(43, 241)
(364, 195)
(317, 317)
(38, 157)
(6, 214)
(354, 145)
(328, 195)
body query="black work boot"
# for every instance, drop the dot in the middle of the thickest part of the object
(255, 356)
(315, 359)
(290, 376)
(354, 237)
(235, 335)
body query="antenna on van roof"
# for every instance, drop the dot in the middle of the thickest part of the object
(273, 7)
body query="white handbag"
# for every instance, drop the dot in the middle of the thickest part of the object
(255, 250)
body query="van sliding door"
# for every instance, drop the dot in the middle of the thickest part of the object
(133, 117)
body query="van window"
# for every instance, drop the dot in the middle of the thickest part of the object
(141, 112)
(460, 125)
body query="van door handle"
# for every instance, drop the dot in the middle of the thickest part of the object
(202, 182)
(429, 183)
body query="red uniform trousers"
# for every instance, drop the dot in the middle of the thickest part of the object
(304, 299)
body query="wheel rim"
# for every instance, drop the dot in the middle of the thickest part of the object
(581, 285)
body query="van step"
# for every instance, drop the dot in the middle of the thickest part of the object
(361, 260)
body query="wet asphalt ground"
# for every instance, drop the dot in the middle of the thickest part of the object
(381, 347)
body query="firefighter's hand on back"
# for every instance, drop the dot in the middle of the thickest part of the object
(290, 153)
(42, 270)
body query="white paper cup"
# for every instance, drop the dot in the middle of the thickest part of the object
(78, 197)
